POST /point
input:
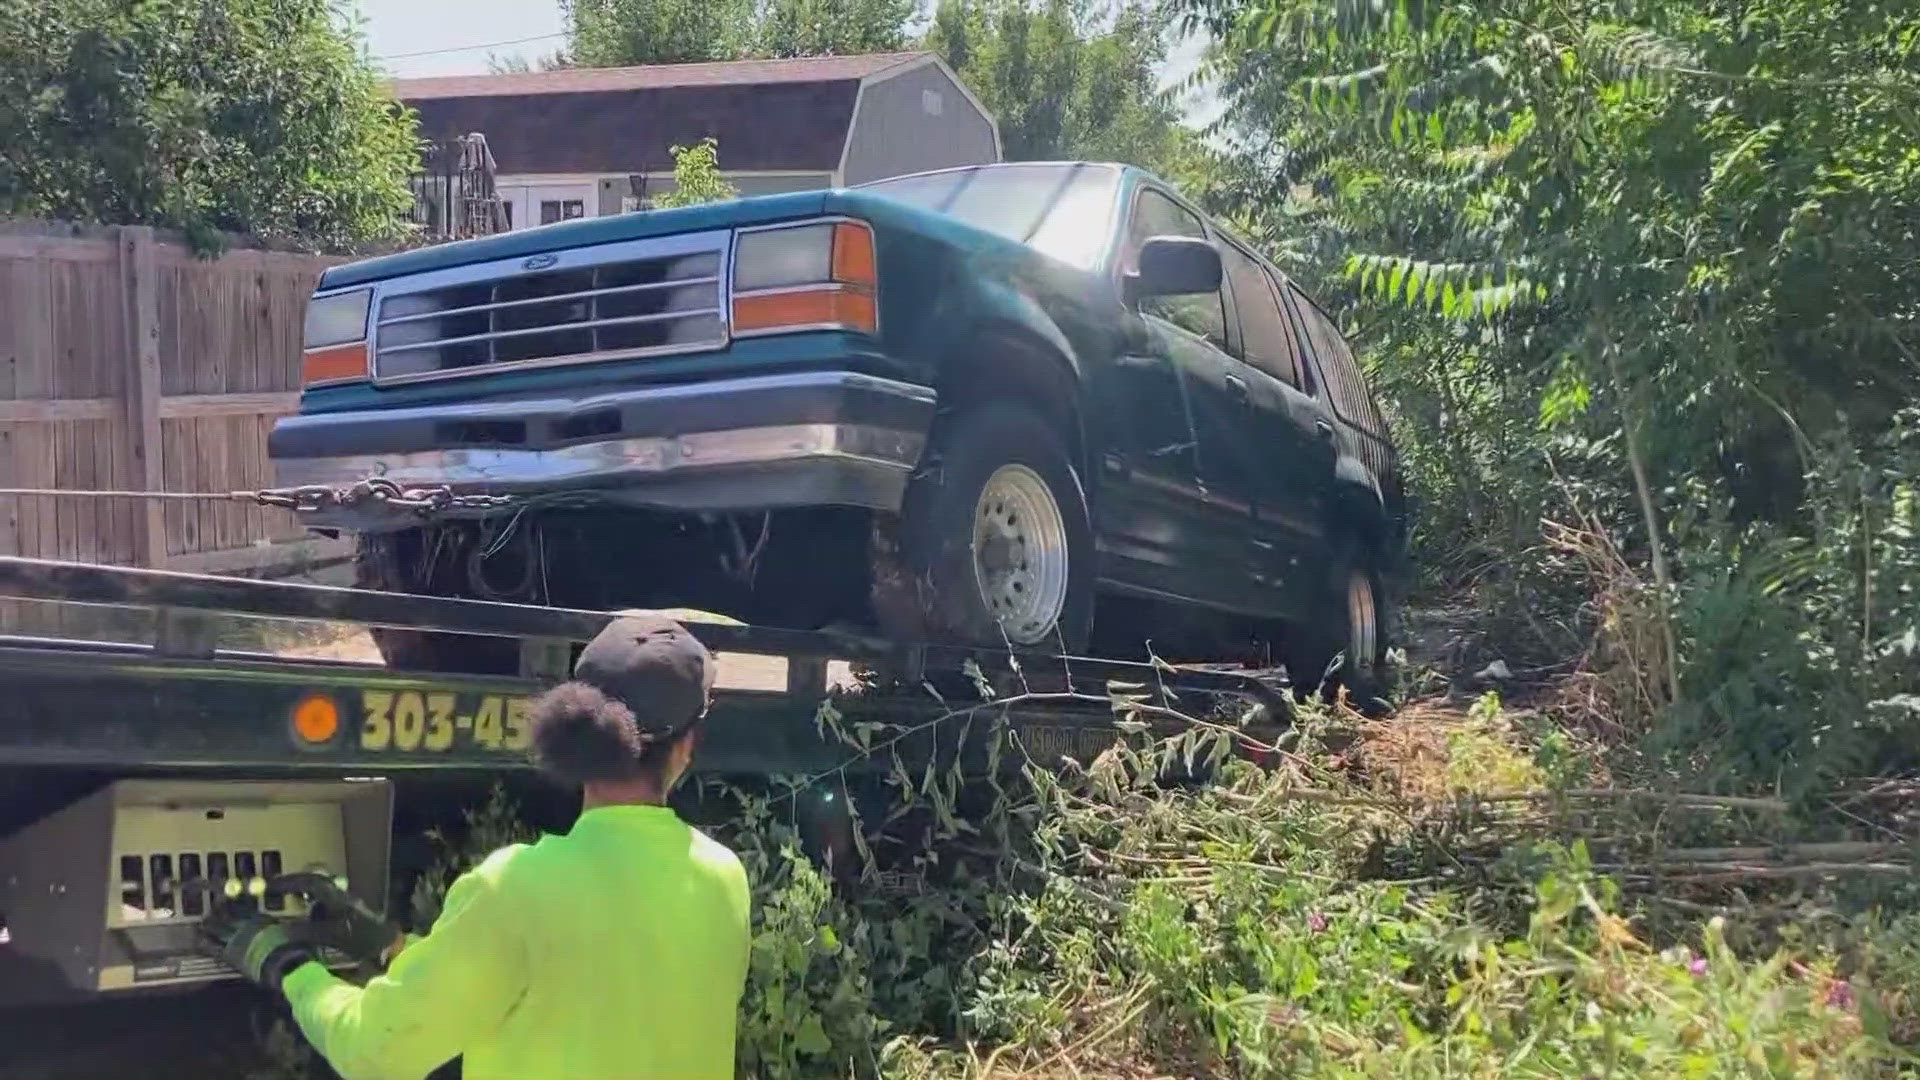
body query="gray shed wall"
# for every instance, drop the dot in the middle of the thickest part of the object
(895, 131)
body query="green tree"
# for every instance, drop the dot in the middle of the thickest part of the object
(256, 116)
(615, 33)
(611, 33)
(785, 28)
(1658, 256)
(696, 177)
(1067, 79)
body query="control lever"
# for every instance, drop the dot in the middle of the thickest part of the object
(241, 892)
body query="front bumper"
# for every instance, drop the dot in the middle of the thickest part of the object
(751, 443)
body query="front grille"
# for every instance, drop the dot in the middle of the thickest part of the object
(620, 307)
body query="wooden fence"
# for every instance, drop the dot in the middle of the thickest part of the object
(127, 363)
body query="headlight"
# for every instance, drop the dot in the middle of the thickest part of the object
(778, 258)
(333, 320)
(336, 338)
(817, 276)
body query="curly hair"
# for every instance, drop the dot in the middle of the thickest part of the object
(581, 736)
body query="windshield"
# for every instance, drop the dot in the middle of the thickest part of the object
(1058, 210)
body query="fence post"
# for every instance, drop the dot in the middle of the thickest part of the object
(139, 290)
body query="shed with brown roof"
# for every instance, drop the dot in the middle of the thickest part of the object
(582, 141)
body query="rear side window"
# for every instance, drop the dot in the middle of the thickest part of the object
(1344, 385)
(1156, 215)
(1265, 338)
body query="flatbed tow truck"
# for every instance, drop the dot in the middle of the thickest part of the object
(126, 768)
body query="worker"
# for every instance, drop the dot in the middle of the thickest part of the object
(616, 951)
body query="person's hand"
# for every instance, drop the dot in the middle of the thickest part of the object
(256, 945)
(336, 919)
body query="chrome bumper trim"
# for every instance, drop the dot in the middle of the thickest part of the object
(636, 458)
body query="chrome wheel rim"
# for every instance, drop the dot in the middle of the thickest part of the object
(1020, 554)
(1363, 631)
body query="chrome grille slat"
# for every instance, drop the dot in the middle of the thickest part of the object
(498, 334)
(627, 299)
(673, 283)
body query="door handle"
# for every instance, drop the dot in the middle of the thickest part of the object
(1324, 429)
(1237, 387)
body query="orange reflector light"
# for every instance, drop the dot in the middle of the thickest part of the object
(853, 254)
(335, 363)
(316, 719)
(832, 307)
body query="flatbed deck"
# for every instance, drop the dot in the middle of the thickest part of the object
(178, 703)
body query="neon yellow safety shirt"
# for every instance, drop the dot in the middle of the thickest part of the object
(615, 952)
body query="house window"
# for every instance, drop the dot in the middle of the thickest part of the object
(552, 210)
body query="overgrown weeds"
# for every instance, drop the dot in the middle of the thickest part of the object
(1455, 892)
(1341, 912)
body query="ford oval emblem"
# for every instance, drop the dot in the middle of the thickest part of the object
(539, 262)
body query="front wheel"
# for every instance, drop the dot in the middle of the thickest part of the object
(408, 563)
(992, 545)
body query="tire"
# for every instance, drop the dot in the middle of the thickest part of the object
(379, 563)
(1348, 650)
(992, 544)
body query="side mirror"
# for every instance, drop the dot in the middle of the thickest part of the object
(1175, 266)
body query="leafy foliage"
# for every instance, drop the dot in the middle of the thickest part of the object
(1295, 919)
(611, 33)
(1272, 923)
(1657, 259)
(252, 116)
(487, 828)
(830, 27)
(696, 177)
(1067, 79)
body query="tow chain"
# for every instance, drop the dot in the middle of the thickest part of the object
(312, 498)
(425, 501)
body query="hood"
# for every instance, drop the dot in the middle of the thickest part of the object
(582, 232)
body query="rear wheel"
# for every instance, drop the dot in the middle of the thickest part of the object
(992, 545)
(1347, 650)
(1364, 660)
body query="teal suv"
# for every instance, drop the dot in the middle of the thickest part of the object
(1045, 405)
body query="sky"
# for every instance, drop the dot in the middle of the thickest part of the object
(437, 37)
(455, 37)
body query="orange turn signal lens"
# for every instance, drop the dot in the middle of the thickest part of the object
(316, 719)
(826, 307)
(853, 254)
(335, 363)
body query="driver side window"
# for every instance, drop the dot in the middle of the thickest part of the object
(1156, 215)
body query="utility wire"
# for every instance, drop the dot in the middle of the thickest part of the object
(473, 48)
(197, 496)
